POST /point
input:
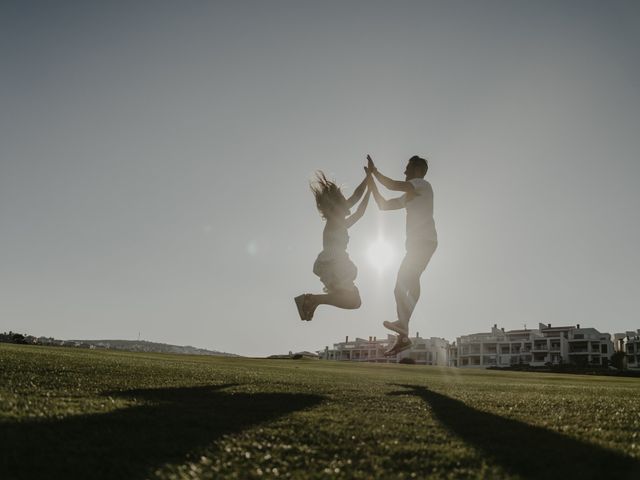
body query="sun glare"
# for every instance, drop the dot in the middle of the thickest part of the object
(380, 254)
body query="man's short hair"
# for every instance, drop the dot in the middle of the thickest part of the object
(420, 163)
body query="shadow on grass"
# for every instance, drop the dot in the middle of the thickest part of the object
(522, 449)
(130, 443)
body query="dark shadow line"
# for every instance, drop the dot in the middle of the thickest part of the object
(131, 442)
(522, 449)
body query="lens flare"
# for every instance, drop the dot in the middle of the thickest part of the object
(380, 254)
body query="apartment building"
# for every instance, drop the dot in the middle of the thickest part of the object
(588, 346)
(424, 351)
(629, 343)
(546, 345)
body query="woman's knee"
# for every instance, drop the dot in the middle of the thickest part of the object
(355, 301)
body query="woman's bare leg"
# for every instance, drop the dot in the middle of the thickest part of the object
(347, 299)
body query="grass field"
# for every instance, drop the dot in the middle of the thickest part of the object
(68, 413)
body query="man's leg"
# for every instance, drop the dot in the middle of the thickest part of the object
(407, 289)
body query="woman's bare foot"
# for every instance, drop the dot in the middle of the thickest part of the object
(309, 306)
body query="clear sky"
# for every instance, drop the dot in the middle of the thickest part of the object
(155, 159)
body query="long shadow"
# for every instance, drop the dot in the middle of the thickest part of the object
(525, 450)
(130, 443)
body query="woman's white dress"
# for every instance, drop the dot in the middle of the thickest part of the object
(333, 265)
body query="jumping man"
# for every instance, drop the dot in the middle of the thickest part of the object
(421, 241)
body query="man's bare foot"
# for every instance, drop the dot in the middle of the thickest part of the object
(398, 327)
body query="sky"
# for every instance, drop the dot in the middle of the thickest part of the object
(155, 160)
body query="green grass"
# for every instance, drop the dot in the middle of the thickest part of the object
(68, 413)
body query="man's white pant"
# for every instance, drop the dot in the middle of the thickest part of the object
(407, 290)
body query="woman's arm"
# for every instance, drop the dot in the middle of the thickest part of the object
(357, 215)
(357, 193)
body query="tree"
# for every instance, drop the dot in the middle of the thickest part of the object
(617, 360)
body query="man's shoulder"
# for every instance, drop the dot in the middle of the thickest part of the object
(419, 183)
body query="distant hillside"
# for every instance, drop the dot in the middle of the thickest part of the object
(144, 346)
(127, 345)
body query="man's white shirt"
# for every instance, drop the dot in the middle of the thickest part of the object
(421, 227)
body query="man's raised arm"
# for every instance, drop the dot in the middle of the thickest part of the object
(383, 203)
(396, 185)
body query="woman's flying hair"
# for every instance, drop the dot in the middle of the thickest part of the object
(328, 194)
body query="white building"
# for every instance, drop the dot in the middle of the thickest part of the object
(543, 346)
(629, 343)
(424, 351)
(588, 346)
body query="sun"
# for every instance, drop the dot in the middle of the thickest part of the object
(380, 254)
